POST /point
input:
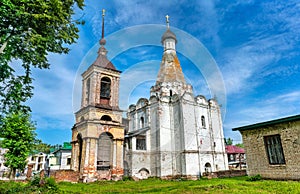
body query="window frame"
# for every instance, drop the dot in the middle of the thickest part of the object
(274, 150)
(105, 88)
(142, 122)
(203, 124)
(68, 161)
(138, 143)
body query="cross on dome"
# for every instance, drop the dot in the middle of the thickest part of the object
(168, 22)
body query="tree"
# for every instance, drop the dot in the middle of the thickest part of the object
(18, 133)
(228, 141)
(39, 146)
(29, 30)
(241, 145)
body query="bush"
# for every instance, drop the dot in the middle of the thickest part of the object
(50, 184)
(10, 187)
(43, 185)
(127, 178)
(254, 178)
(35, 181)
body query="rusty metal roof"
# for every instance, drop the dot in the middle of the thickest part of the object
(102, 60)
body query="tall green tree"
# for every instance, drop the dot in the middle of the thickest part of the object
(19, 134)
(29, 30)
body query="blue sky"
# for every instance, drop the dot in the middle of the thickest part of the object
(253, 46)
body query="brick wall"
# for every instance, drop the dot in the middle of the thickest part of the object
(257, 159)
(65, 175)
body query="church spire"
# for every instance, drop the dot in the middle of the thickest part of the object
(102, 41)
(170, 69)
(102, 50)
(102, 60)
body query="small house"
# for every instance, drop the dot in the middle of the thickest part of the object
(236, 157)
(60, 159)
(273, 148)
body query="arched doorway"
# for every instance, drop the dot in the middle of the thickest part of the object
(105, 150)
(79, 140)
(144, 173)
(207, 168)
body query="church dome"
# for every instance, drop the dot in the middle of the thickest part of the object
(168, 34)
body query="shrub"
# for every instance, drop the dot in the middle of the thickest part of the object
(254, 178)
(50, 184)
(43, 185)
(35, 181)
(10, 187)
(127, 178)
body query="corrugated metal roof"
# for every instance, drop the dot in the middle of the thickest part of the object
(232, 149)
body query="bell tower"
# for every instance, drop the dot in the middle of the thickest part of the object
(98, 134)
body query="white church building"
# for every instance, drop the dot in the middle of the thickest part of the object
(173, 133)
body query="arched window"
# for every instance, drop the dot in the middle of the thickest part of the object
(171, 93)
(79, 140)
(203, 121)
(142, 122)
(106, 118)
(105, 87)
(105, 146)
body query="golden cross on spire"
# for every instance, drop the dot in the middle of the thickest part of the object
(167, 19)
(103, 12)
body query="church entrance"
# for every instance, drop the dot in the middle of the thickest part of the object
(207, 168)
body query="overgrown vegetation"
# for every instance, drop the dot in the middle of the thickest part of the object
(154, 185)
(254, 178)
(36, 185)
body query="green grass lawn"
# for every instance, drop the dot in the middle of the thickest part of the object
(226, 185)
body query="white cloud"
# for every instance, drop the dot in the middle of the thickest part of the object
(244, 66)
(291, 98)
(266, 109)
(131, 80)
